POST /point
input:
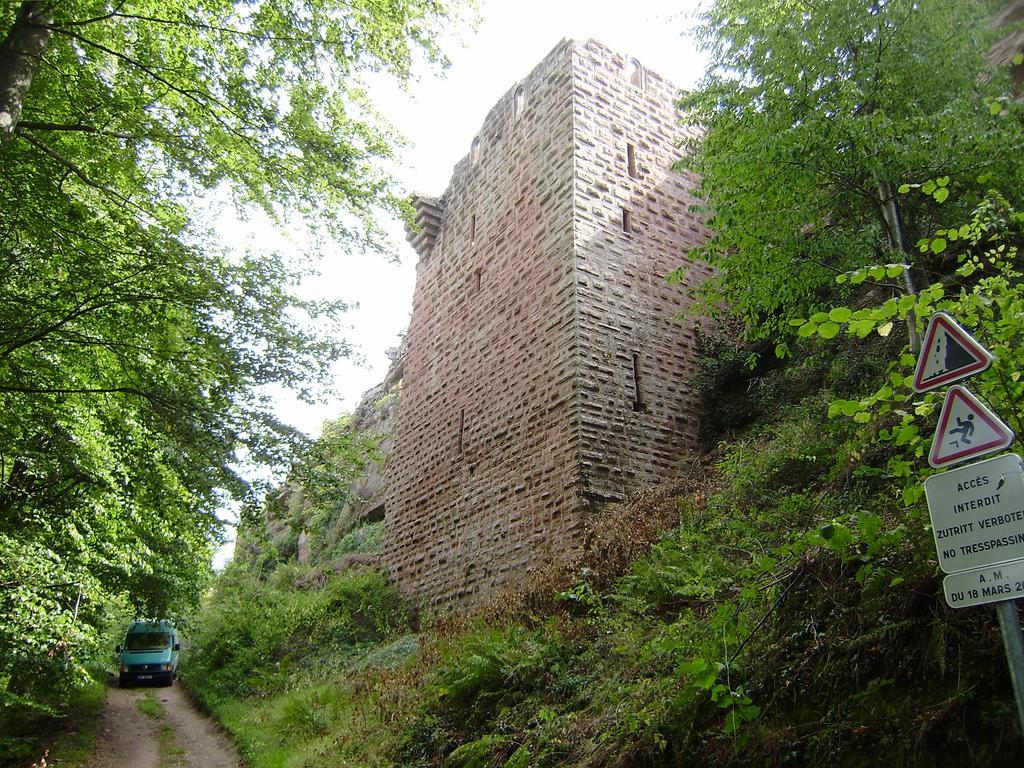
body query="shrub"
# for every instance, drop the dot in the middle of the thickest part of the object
(253, 636)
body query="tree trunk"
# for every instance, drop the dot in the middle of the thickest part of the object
(898, 243)
(20, 54)
(11, 492)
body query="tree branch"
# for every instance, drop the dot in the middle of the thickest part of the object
(76, 170)
(187, 22)
(32, 125)
(95, 19)
(203, 99)
(18, 390)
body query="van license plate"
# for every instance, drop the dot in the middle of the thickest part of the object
(145, 677)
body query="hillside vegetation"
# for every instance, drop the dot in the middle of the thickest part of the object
(781, 603)
(792, 615)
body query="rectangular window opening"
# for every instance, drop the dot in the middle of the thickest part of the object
(627, 221)
(472, 229)
(631, 160)
(477, 279)
(462, 429)
(638, 403)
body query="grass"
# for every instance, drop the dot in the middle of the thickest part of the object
(348, 722)
(150, 707)
(172, 754)
(68, 741)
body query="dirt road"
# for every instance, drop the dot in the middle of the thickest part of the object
(167, 732)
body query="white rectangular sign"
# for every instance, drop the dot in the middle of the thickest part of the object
(977, 513)
(985, 585)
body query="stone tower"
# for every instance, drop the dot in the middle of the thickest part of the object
(545, 373)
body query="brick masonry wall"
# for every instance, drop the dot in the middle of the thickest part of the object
(638, 415)
(517, 409)
(484, 469)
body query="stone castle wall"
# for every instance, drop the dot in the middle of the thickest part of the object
(484, 468)
(544, 371)
(638, 415)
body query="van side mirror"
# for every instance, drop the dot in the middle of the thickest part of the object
(117, 649)
(177, 646)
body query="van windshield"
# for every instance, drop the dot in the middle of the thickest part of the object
(147, 641)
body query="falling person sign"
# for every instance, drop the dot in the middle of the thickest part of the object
(966, 430)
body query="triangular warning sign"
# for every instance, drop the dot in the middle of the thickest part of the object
(966, 429)
(949, 354)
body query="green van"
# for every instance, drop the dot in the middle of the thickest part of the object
(149, 653)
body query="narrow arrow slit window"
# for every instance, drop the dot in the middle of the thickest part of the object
(638, 401)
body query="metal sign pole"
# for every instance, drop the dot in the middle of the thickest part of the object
(1013, 642)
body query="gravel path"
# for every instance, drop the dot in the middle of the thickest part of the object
(130, 739)
(204, 744)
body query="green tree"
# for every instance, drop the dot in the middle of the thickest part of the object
(813, 115)
(324, 474)
(134, 350)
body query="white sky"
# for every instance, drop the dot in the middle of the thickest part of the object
(439, 115)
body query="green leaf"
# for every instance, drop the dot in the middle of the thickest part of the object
(1018, 59)
(904, 188)
(152, 346)
(828, 330)
(905, 304)
(938, 245)
(840, 314)
(904, 434)
(862, 327)
(698, 673)
(941, 195)
(849, 407)
(807, 329)
(928, 187)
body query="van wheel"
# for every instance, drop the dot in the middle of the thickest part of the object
(122, 681)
